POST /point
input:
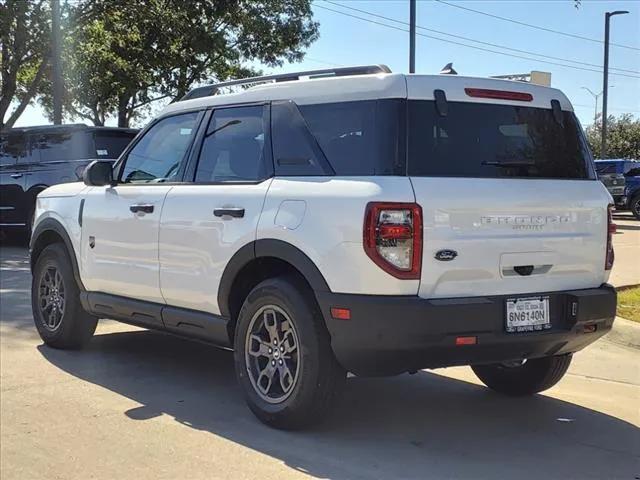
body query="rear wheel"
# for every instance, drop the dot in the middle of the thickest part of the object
(526, 378)
(283, 357)
(55, 300)
(634, 206)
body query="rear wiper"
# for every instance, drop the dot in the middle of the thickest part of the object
(508, 164)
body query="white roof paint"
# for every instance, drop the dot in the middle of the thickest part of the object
(376, 86)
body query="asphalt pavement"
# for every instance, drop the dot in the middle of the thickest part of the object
(139, 404)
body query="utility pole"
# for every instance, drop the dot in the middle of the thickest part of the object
(412, 36)
(605, 80)
(55, 62)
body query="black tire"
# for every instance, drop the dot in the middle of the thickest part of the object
(318, 378)
(534, 376)
(73, 327)
(634, 206)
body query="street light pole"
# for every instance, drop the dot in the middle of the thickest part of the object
(595, 96)
(412, 36)
(605, 80)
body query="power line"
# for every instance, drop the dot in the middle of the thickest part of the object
(473, 46)
(478, 41)
(566, 34)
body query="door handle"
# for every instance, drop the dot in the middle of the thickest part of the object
(16, 175)
(142, 207)
(235, 212)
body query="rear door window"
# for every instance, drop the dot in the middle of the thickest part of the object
(234, 146)
(12, 147)
(110, 144)
(495, 141)
(61, 146)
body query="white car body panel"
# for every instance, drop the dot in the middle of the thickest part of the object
(558, 226)
(331, 231)
(195, 246)
(124, 260)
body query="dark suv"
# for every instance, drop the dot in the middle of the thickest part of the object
(34, 158)
(622, 179)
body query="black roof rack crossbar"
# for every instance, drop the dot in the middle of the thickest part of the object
(208, 90)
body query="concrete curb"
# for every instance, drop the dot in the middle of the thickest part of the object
(625, 332)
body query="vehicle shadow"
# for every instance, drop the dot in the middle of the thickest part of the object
(420, 426)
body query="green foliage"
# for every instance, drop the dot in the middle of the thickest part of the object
(623, 137)
(122, 55)
(24, 50)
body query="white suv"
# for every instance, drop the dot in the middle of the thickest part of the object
(345, 220)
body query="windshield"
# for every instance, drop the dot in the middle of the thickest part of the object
(494, 141)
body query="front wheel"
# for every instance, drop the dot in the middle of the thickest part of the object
(283, 357)
(55, 300)
(530, 377)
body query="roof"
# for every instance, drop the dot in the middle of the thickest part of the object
(67, 127)
(327, 89)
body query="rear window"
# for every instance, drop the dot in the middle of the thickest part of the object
(495, 141)
(109, 145)
(359, 138)
(606, 168)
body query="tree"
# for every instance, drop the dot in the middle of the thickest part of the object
(122, 55)
(24, 54)
(623, 137)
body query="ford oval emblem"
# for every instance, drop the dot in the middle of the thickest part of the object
(445, 255)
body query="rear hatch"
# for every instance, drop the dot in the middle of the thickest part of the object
(511, 203)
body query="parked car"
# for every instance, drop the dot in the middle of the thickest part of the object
(622, 179)
(342, 220)
(34, 158)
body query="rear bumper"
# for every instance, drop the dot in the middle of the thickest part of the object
(387, 335)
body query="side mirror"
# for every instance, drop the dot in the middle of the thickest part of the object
(98, 173)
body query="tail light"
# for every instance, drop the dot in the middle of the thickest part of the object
(498, 94)
(611, 229)
(393, 238)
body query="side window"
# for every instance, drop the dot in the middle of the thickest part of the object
(159, 153)
(295, 150)
(60, 146)
(10, 149)
(233, 148)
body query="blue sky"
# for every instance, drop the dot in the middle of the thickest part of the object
(346, 40)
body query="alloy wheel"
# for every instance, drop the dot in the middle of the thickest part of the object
(272, 354)
(51, 298)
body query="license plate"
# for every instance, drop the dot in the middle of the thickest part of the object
(528, 314)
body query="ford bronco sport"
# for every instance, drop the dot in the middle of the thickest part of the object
(343, 220)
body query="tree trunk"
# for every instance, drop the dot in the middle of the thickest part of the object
(123, 104)
(31, 91)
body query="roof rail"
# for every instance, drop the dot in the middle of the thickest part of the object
(208, 90)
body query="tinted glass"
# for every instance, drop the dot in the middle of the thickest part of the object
(59, 146)
(12, 146)
(359, 138)
(295, 150)
(606, 168)
(494, 141)
(109, 145)
(633, 172)
(631, 169)
(159, 153)
(233, 148)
